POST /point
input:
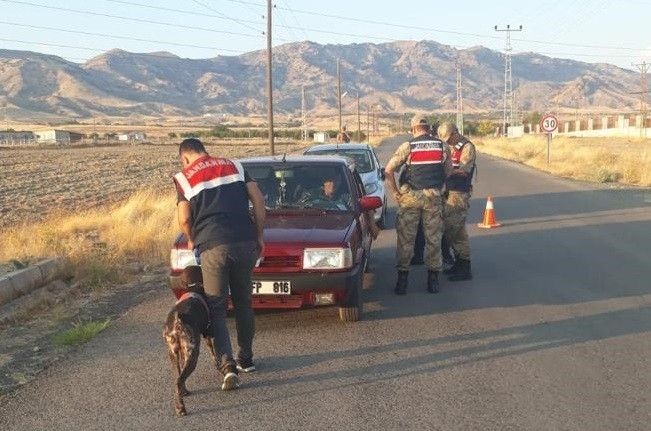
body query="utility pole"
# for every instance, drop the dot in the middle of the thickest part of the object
(507, 118)
(304, 133)
(339, 92)
(270, 103)
(359, 123)
(368, 126)
(459, 98)
(644, 90)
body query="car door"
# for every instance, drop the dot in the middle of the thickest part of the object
(380, 171)
(362, 221)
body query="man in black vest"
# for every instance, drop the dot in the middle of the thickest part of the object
(427, 164)
(455, 210)
(213, 212)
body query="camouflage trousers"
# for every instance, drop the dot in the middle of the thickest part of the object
(414, 206)
(455, 211)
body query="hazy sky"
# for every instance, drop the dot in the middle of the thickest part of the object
(607, 31)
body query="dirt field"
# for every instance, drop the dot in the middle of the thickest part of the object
(36, 183)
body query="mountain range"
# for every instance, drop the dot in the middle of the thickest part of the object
(397, 76)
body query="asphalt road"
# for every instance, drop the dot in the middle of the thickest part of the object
(554, 332)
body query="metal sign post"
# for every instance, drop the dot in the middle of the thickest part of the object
(549, 124)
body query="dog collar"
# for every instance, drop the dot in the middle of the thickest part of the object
(194, 295)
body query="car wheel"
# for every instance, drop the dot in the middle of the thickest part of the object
(381, 223)
(353, 309)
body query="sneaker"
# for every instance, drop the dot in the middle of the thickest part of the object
(231, 381)
(246, 366)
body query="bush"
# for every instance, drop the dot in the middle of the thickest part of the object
(608, 176)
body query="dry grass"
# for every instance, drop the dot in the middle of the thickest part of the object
(102, 209)
(98, 243)
(605, 160)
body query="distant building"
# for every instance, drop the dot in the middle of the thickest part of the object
(321, 137)
(57, 137)
(132, 137)
(15, 138)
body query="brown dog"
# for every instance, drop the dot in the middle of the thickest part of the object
(186, 322)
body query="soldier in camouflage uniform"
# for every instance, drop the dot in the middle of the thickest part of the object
(427, 164)
(455, 210)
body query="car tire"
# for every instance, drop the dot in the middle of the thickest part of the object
(354, 307)
(381, 223)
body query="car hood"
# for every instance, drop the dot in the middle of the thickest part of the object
(311, 228)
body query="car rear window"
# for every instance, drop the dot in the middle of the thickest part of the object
(294, 186)
(362, 157)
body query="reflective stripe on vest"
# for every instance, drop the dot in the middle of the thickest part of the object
(425, 163)
(425, 152)
(208, 173)
(459, 183)
(456, 154)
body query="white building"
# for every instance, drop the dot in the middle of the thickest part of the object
(53, 137)
(321, 137)
(132, 137)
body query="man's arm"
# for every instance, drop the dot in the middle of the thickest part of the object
(398, 159)
(448, 169)
(184, 212)
(259, 214)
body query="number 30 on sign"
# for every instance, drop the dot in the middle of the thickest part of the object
(549, 123)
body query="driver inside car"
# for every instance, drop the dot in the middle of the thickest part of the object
(330, 194)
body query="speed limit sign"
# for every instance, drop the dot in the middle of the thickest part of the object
(549, 123)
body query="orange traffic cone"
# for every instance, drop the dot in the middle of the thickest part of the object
(489, 216)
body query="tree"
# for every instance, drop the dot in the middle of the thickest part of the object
(532, 117)
(485, 127)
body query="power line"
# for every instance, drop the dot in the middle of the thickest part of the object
(362, 36)
(235, 20)
(434, 30)
(112, 36)
(296, 20)
(183, 11)
(56, 45)
(141, 20)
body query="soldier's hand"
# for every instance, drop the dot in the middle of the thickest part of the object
(396, 197)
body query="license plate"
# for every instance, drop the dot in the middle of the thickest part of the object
(271, 287)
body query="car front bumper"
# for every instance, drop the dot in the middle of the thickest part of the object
(305, 286)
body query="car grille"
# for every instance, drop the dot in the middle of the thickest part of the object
(281, 262)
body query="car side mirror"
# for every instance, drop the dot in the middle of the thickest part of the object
(370, 203)
(383, 174)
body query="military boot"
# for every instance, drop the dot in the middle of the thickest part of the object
(433, 281)
(401, 284)
(463, 271)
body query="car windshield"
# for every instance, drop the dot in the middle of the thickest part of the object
(362, 157)
(293, 186)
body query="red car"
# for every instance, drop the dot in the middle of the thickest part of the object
(317, 234)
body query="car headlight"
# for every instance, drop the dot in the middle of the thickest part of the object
(327, 258)
(371, 188)
(180, 258)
